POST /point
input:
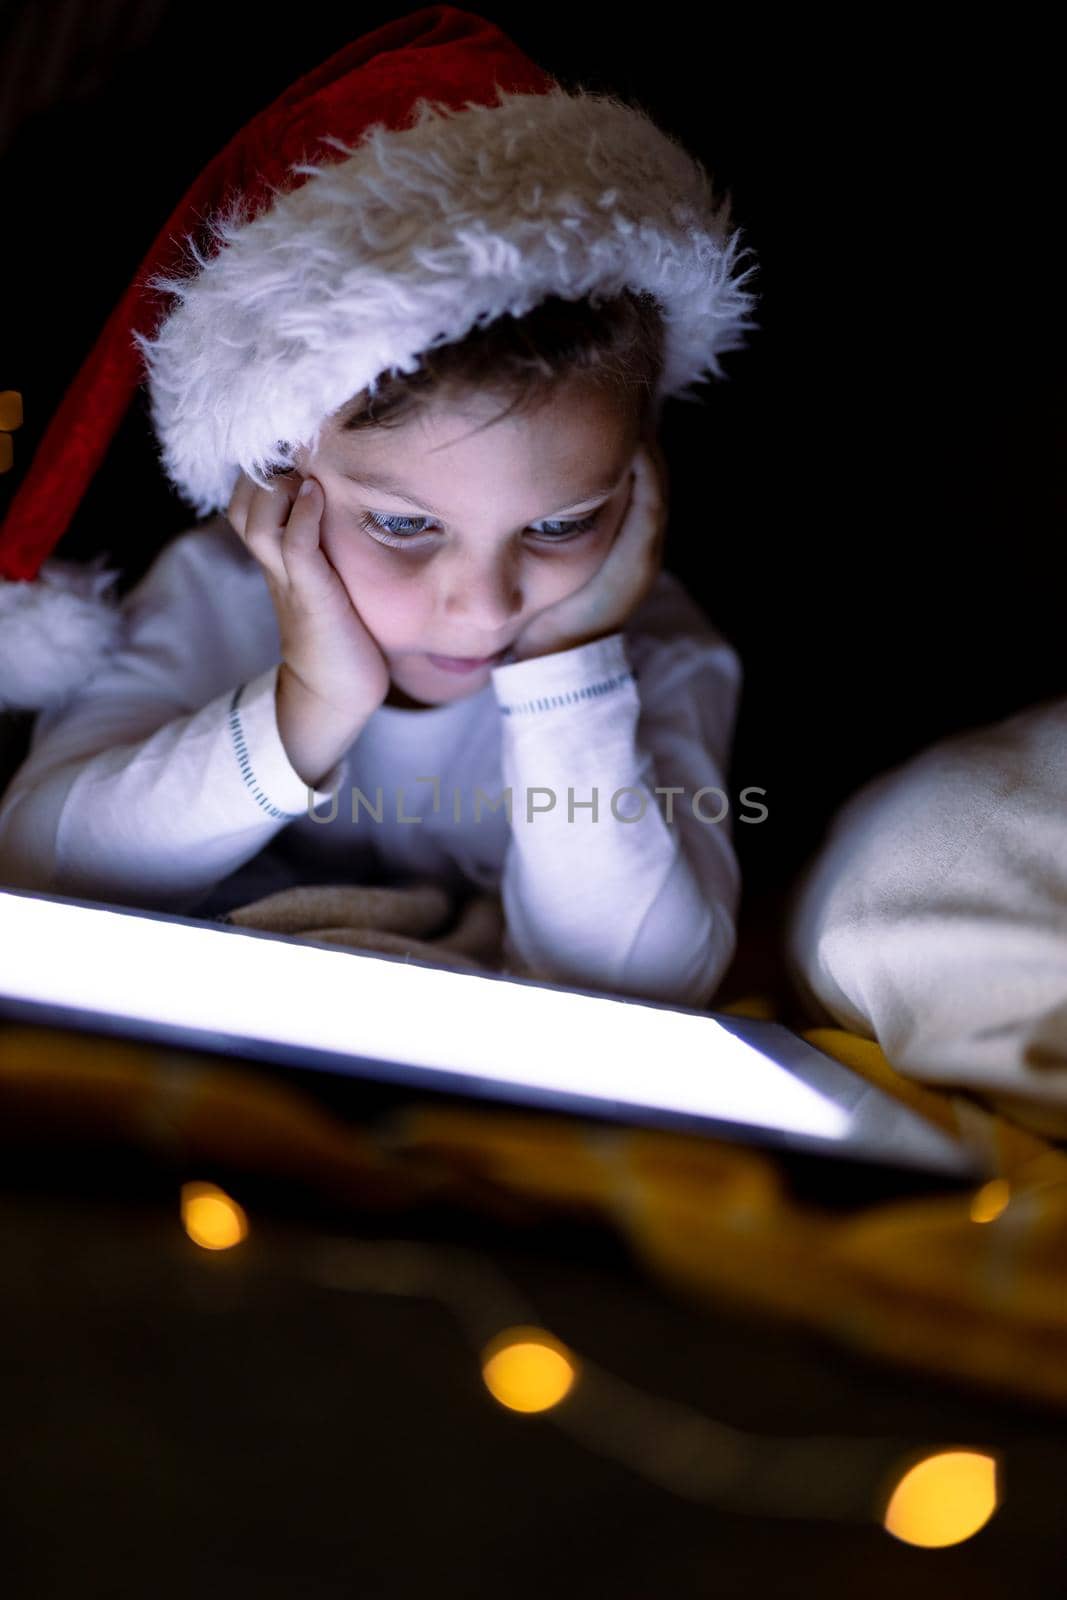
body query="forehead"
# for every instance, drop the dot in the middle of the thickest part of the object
(451, 462)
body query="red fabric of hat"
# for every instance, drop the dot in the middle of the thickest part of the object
(443, 53)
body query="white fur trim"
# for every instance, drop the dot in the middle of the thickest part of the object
(407, 242)
(55, 631)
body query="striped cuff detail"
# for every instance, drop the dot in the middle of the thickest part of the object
(244, 761)
(566, 697)
(586, 673)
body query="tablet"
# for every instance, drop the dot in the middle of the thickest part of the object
(330, 1009)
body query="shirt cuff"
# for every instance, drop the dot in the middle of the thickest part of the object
(564, 679)
(269, 775)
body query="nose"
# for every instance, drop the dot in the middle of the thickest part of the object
(481, 596)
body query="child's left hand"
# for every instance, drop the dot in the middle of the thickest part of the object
(624, 577)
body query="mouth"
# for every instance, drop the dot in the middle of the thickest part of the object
(465, 663)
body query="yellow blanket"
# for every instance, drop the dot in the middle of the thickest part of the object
(973, 1286)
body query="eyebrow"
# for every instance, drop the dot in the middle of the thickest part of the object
(388, 485)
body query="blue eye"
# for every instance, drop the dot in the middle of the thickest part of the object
(374, 522)
(404, 530)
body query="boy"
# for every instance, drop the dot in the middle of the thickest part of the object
(552, 246)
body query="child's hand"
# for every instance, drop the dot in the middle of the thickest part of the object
(325, 643)
(623, 579)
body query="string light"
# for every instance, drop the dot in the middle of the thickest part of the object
(944, 1499)
(530, 1371)
(211, 1218)
(990, 1200)
(10, 419)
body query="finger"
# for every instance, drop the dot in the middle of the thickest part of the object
(650, 468)
(651, 464)
(651, 491)
(641, 518)
(635, 554)
(241, 502)
(237, 510)
(300, 536)
(311, 575)
(662, 469)
(268, 515)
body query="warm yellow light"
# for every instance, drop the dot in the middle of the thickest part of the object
(10, 410)
(944, 1499)
(989, 1201)
(527, 1369)
(211, 1218)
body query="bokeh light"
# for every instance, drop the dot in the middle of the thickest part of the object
(990, 1200)
(528, 1369)
(10, 419)
(211, 1218)
(944, 1499)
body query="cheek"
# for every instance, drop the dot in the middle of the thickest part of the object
(386, 599)
(577, 569)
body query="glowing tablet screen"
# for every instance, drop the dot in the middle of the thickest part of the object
(226, 982)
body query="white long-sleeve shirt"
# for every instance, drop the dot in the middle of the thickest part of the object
(164, 782)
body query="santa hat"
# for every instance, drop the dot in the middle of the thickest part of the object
(426, 178)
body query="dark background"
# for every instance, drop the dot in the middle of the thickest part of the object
(871, 508)
(870, 505)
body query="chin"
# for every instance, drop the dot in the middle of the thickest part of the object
(409, 696)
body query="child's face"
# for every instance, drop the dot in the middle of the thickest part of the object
(479, 540)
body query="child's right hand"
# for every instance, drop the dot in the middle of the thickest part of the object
(325, 643)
